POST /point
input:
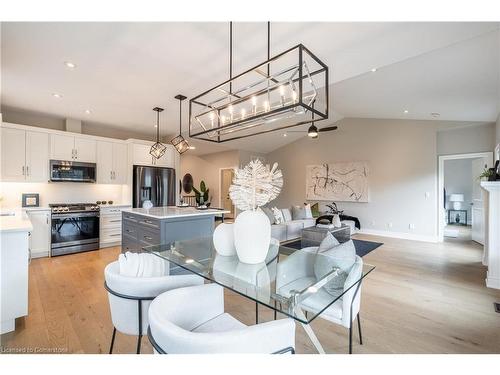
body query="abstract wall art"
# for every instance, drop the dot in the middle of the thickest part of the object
(339, 181)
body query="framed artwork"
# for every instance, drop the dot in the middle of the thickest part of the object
(340, 181)
(31, 200)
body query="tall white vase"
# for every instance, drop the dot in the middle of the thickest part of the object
(252, 236)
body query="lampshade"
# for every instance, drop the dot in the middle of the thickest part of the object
(456, 198)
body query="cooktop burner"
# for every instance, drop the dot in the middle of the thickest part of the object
(73, 207)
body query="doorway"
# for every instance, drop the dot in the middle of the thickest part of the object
(226, 176)
(460, 209)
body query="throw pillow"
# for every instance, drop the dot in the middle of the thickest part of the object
(278, 216)
(298, 213)
(287, 215)
(307, 209)
(269, 213)
(315, 210)
(338, 259)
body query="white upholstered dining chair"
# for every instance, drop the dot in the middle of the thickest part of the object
(130, 297)
(297, 273)
(192, 320)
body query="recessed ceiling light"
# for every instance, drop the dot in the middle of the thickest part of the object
(192, 147)
(373, 70)
(56, 95)
(405, 111)
(88, 111)
(70, 65)
(435, 114)
(284, 134)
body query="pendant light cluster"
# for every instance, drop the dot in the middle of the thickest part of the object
(286, 90)
(179, 142)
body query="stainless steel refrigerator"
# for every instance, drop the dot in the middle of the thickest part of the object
(154, 184)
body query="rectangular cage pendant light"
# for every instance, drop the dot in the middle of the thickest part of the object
(289, 89)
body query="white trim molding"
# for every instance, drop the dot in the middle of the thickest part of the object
(492, 237)
(401, 235)
(441, 159)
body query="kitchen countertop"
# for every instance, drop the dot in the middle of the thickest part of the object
(15, 222)
(174, 212)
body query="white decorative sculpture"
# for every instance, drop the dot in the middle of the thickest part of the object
(224, 239)
(253, 187)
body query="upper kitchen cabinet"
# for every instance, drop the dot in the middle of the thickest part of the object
(111, 162)
(68, 147)
(141, 156)
(25, 155)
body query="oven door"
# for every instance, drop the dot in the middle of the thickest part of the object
(72, 171)
(74, 232)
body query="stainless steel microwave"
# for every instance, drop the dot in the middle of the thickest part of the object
(72, 171)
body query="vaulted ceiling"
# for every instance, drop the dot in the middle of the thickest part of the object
(123, 70)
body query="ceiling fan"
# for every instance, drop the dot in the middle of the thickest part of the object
(313, 131)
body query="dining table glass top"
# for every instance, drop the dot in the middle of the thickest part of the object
(300, 284)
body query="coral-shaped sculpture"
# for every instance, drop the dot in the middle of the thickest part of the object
(255, 185)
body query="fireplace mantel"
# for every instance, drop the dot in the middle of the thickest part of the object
(492, 232)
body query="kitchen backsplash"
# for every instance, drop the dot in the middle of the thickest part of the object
(60, 192)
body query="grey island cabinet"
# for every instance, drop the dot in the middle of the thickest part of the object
(160, 225)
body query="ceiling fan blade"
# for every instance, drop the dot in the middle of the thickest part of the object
(328, 129)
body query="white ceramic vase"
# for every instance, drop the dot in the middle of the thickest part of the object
(224, 239)
(252, 236)
(336, 221)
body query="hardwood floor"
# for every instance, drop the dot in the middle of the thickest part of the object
(422, 298)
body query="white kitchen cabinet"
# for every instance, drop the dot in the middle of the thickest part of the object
(111, 163)
(68, 147)
(13, 154)
(24, 155)
(37, 157)
(62, 147)
(120, 163)
(39, 243)
(110, 226)
(85, 150)
(141, 156)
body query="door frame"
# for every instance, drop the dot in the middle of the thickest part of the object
(220, 187)
(441, 159)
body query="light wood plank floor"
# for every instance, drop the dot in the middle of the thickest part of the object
(422, 298)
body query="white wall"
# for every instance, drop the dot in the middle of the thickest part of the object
(458, 180)
(466, 139)
(403, 171)
(59, 192)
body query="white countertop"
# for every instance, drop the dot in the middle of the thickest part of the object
(173, 212)
(17, 222)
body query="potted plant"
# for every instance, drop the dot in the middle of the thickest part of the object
(201, 195)
(488, 174)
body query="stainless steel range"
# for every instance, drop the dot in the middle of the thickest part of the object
(75, 228)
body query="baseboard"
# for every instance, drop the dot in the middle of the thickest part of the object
(493, 282)
(401, 235)
(41, 254)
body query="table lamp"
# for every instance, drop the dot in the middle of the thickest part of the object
(457, 200)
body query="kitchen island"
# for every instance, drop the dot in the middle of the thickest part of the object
(15, 228)
(160, 225)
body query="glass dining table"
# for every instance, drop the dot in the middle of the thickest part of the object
(286, 282)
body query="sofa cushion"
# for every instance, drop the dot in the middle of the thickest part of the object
(278, 216)
(294, 229)
(298, 213)
(309, 214)
(269, 214)
(287, 214)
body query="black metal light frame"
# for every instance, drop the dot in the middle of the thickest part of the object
(179, 142)
(157, 145)
(283, 109)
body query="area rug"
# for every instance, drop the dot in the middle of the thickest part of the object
(362, 247)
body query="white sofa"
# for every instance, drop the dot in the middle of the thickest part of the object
(290, 229)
